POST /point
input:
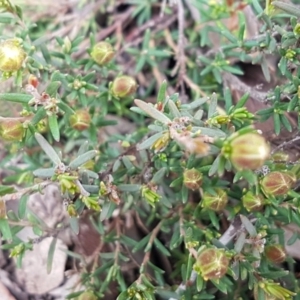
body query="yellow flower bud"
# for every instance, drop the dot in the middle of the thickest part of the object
(12, 56)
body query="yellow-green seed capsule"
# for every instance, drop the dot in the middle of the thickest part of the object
(11, 130)
(212, 263)
(123, 86)
(278, 183)
(216, 202)
(248, 151)
(102, 53)
(81, 120)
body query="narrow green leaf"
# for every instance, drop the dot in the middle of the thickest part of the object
(277, 124)
(248, 226)
(5, 229)
(54, 128)
(152, 111)
(173, 109)
(38, 116)
(150, 141)
(44, 173)
(22, 207)
(129, 187)
(212, 109)
(48, 149)
(82, 159)
(288, 8)
(241, 103)
(162, 92)
(52, 88)
(13, 97)
(158, 176)
(51, 255)
(161, 247)
(286, 123)
(107, 210)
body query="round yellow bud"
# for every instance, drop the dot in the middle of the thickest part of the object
(12, 56)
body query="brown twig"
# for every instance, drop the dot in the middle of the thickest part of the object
(19, 194)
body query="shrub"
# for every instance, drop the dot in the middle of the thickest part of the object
(208, 194)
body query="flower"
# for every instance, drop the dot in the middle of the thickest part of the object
(12, 55)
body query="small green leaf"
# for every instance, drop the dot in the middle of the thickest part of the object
(277, 124)
(22, 207)
(162, 92)
(288, 8)
(173, 109)
(5, 229)
(54, 128)
(248, 226)
(158, 176)
(51, 255)
(150, 141)
(161, 247)
(82, 159)
(52, 88)
(212, 109)
(107, 210)
(44, 173)
(152, 111)
(286, 123)
(48, 149)
(12, 97)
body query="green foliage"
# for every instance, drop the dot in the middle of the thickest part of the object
(64, 98)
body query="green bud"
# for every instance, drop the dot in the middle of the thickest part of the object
(276, 290)
(91, 203)
(72, 210)
(81, 120)
(11, 130)
(12, 55)
(278, 183)
(253, 202)
(246, 151)
(123, 86)
(150, 195)
(275, 253)
(192, 179)
(215, 202)
(212, 263)
(102, 53)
